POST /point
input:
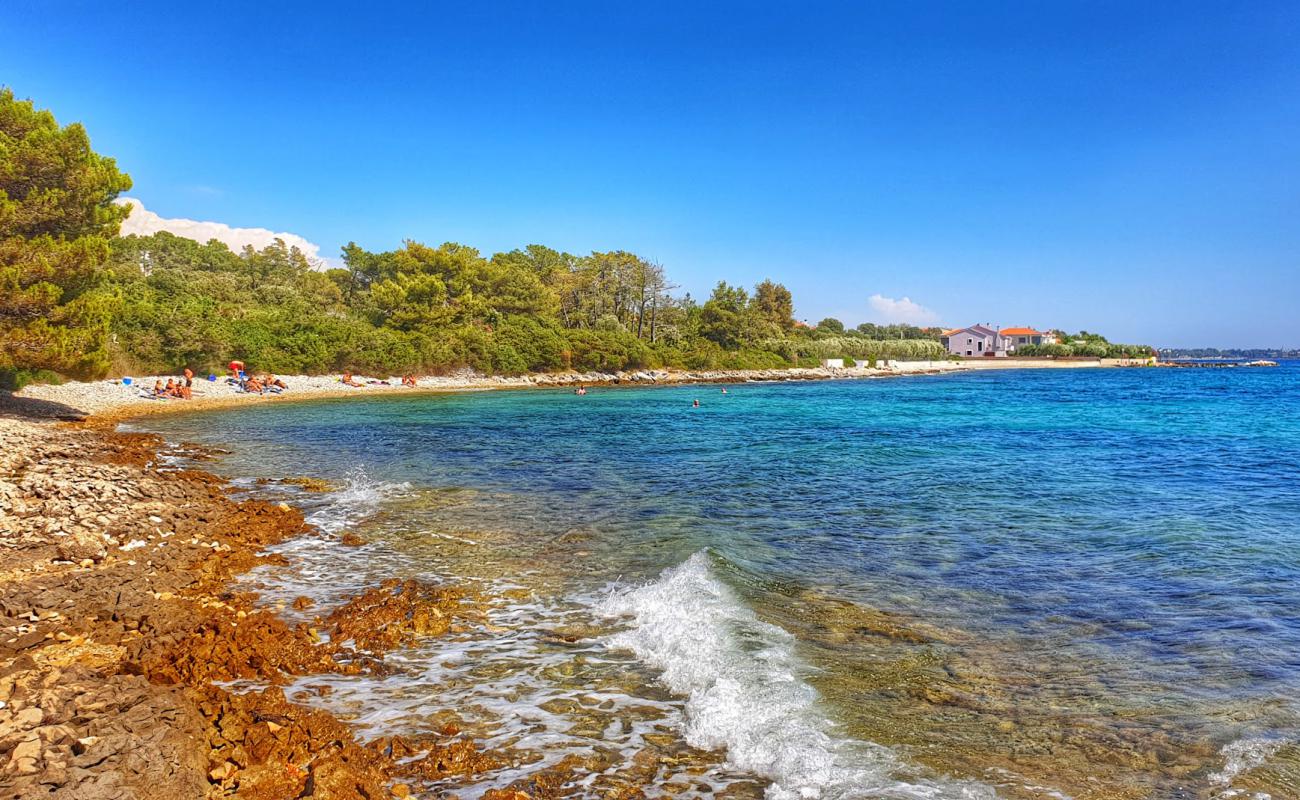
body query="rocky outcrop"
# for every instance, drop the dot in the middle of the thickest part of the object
(392, 614)
(116, 620)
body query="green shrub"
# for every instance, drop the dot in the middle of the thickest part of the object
(1056, 350)
(535, 346)
(753, 359)
(607, 351)
(14, 379)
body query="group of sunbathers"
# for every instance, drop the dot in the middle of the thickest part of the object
(261, 384)
(258, 384)
(348, 380)
(254, 384)
(179, 388)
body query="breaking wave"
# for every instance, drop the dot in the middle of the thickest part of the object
(361, 497)
(746, 692)
(1243, 755)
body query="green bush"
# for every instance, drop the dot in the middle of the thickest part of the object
(607, 351)
(753, 359)
(14, 379)
(536, 347)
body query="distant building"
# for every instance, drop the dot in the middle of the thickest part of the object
(833, 363)
(1016, 337)
(977, 340)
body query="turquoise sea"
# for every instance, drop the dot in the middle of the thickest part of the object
(1026, 583)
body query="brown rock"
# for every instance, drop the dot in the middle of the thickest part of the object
(26, 756)
(381, 619)
(82, 546)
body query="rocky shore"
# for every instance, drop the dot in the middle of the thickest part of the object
(117, 627)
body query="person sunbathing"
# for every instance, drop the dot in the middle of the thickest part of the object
(408, 380)
(158, 390)
(348, 380)
(254, 385)
(269, 380)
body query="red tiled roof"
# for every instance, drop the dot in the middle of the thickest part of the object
(1020, 332)
(951, 332)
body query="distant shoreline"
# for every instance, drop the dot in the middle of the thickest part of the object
(111, 400)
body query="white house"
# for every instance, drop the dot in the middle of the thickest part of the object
(1018, 337)
(977, 340)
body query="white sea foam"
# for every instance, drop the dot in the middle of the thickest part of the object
(746, 692)
(1243, 755)
(361, 497)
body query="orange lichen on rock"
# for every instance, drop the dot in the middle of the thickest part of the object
(393, 614)
(227, 646)
(435, 757)
(265, 748)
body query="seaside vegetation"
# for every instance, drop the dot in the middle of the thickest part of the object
(1085, 344)
(57, 220)
(78, 300)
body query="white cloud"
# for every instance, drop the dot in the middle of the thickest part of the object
(144, 222)
(889, 309)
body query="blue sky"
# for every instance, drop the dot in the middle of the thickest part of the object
(1129, 168)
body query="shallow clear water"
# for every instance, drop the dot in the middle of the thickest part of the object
(1023, 583)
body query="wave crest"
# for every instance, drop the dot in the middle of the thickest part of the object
(359, 498)
(746, 691)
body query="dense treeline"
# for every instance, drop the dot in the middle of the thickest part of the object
(1085, 344)
(422, 308)
(78, 300)
(1085, 349)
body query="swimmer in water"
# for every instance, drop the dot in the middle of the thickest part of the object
(724, 390)
(696, 404)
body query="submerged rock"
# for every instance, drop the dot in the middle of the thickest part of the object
(396, 612)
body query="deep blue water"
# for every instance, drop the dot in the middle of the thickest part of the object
(1132, 534)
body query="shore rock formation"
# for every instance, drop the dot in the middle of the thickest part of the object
(116, 620)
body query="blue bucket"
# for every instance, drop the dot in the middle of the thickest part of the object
(126, 381)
